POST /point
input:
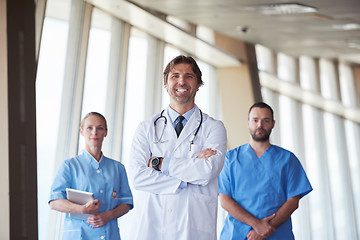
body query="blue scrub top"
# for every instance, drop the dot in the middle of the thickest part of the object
(108, 181)
(261, 186)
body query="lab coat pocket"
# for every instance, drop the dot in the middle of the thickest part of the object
(203, 212)
(195, 149)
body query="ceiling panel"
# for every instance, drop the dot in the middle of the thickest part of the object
(297, 34)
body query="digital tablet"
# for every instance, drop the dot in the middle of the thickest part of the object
(79, 197)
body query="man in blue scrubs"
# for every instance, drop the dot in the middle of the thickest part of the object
(261, 184)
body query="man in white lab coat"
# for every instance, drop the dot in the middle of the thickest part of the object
(175, 176)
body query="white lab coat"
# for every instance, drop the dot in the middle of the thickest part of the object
(163, 210)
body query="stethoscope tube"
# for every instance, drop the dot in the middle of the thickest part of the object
(162, 132)
(165, 122)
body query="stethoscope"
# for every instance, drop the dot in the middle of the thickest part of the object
(191, 140)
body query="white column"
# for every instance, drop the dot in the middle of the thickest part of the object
(4, 127)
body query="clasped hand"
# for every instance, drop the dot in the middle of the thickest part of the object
(262, 229)
(96, 219)
(91, 207)
(99, 220)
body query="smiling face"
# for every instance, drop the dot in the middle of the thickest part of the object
(260, 124)
(182, 85)
(94, 131)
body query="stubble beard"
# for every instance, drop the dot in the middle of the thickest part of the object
(263, 138)
(182, 99)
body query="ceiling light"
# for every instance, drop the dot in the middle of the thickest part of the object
(282, 8)
(348, 26)
(354, 45)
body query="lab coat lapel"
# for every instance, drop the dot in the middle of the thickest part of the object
(169, 129)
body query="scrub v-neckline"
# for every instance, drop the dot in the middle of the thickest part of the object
(262, 155)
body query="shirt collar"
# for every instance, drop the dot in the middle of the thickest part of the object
(173, 115)
(93, 162)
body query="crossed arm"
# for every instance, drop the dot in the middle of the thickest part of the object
(262, 228)
(181, 167)
(206, 153)
(96, 219)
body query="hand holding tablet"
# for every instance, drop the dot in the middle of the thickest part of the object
(81, 198)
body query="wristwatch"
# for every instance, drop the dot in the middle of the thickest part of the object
(155, 163)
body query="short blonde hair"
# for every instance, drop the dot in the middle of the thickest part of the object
(93, 114)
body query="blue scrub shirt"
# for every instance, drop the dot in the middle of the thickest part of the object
(261, 186)
(108, 181)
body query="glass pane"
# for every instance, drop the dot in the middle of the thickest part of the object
(338, 192)
(286, 132)
(328, 80)
(353, 139)
(347, 86)
(134, 106)
(97, 66)
(49, 84)
(316, 172)
(287, 68)
(308, 74)
(265, 59)
(202, 98)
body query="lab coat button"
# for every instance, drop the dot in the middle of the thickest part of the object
(169, 210)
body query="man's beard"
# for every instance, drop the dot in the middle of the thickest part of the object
(262, 138)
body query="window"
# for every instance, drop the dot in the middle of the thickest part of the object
(97, 67)
(135, 88)
(49, 84)
(99, 85)
(328, 144)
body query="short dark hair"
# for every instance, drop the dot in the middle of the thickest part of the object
(261, 105)
(93, 114)
(187, 60)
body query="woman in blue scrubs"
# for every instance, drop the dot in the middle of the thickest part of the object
(92, 172)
